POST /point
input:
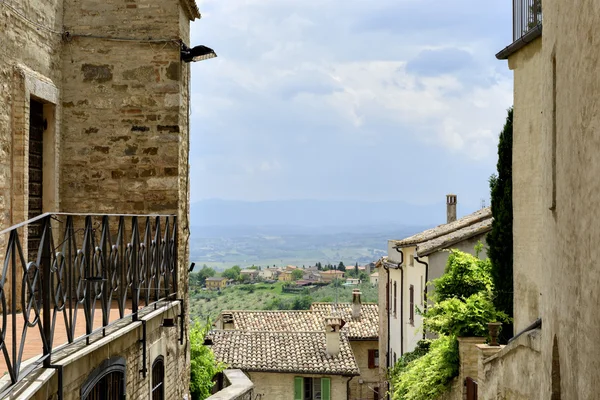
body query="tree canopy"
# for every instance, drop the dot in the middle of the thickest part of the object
(500, 239)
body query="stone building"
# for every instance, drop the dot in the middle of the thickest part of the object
(94, 119)
(281, 351)
(410, 264)
(556, 139)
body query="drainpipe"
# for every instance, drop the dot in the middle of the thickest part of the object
(387, 311)
(401, 300)
(401, 309)
(425, 288)
(348, 388)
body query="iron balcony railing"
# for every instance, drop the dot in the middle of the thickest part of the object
(527, 15)
(80, 265)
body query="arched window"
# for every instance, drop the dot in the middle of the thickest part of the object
(158, 379)
(107, 382)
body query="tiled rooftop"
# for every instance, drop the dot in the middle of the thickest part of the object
(298, 352)
(313, 320)
(448, 234)
(364, 327)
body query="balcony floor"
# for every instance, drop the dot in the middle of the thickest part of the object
(33, 343)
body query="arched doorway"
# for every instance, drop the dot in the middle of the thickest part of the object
(107, 382)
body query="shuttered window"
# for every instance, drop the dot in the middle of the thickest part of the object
(373, 358)
(298, 388)
(312, 388)
(325, 389)
(395, 298)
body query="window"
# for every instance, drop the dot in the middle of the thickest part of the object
(373, 358)
(411, 294)
(107, 382)
(158, 379)
(376, 393)
(395, 298)
(387, 296)
(422, 292)
(312, 388)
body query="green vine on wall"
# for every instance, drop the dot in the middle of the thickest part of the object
(463, 305)
(203, 366)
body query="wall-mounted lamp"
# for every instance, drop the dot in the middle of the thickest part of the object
(198, 53)
(168, 321)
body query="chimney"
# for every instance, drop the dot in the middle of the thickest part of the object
(356, 305)
(332, 335)
(450, 208)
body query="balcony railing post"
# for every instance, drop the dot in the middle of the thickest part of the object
(46, 267)
(135, 244)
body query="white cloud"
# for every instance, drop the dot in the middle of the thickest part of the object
(296, 79)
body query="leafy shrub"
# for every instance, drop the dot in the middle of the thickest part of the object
(428, 376)
(463, 307)
(463, 318)
(464, 276)
(421, 349)
(203, 366)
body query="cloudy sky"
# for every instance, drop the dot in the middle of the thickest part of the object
(349, 99)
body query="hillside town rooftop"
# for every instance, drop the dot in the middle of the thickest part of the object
(288, 352)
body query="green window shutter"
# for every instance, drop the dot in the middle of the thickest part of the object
(325, 388)
(298, 387)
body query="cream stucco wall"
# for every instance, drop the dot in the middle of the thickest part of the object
(530, 194)
(362, 387)
(404, 335)
(564, 67)
(275, 386)
(382, 298)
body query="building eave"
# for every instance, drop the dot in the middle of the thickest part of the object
(191, 9)
(518, 44)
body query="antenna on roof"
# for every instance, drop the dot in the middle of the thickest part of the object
(482, 203)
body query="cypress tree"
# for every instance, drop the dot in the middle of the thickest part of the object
(500, 239)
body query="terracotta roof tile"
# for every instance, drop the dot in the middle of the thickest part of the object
(364, 327)
(298, 352)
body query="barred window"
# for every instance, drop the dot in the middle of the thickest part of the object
(158, 379)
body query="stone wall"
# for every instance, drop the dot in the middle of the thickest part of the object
(238, 387)
(80, 361)
(560, 121)
(116, 99)
(510, 372)
(368, 376)
(530, 197)
(277, 386)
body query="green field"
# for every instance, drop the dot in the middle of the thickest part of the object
(207, 304)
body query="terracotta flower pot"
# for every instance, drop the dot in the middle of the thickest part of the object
(494, 330)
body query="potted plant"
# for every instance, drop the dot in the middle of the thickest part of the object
(494, 331)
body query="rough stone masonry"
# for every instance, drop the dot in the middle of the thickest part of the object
(115, 100)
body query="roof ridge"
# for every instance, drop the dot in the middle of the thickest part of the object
(444, 229)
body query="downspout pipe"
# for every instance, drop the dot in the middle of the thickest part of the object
(387, 311)
(401, 300)
(401, 309)
(426, 264)
(348, 388)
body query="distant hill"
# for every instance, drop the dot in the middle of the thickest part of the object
(315, 213)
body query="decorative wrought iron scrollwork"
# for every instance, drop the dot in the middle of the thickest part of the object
(100, 263)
